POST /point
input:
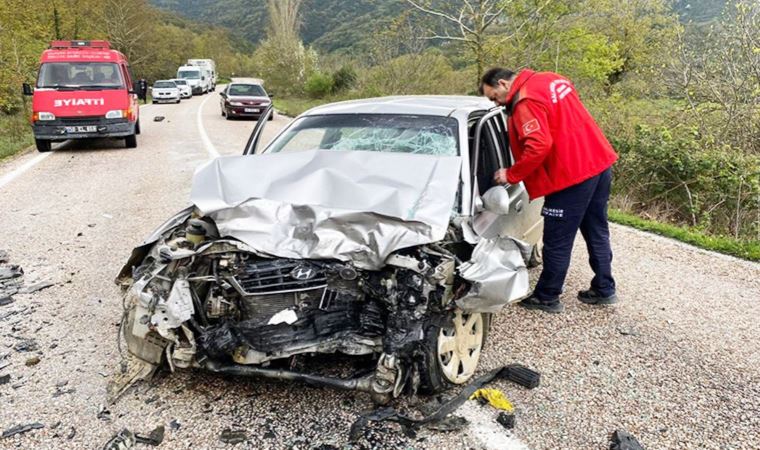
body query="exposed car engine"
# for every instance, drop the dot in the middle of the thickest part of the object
(208, 302)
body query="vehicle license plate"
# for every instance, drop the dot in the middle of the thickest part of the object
(82, 129)
(251, 110)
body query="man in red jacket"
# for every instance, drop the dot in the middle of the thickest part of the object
(562, 155)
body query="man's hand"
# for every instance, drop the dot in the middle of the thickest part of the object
(500, 177)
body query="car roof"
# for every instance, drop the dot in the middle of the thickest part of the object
(247, 81)
(432, 105)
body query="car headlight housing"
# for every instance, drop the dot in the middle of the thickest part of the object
(236, 104)
(116, 114)
(40, 116)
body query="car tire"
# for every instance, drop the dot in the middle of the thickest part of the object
(43, 145)
(271, 116)
(154, 102)
(137, 127)
(442, 366)
(130, 141)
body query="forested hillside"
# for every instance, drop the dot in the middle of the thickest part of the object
(336, 24)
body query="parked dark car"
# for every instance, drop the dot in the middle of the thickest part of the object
(244, 99)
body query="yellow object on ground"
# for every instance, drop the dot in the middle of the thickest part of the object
(494, 397)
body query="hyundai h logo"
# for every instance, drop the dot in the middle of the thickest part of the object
(303, 273)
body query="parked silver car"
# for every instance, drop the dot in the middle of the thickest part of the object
(367, 227)
(165, 91)
(185, 91)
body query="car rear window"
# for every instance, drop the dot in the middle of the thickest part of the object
(431, 135)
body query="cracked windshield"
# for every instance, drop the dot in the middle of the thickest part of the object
(372, 132)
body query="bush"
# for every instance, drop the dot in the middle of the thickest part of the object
(319, 85)
(691, 180)
(344, 79)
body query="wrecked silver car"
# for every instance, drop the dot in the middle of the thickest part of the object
(360, 229)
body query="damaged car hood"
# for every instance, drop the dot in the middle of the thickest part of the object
(346, 205)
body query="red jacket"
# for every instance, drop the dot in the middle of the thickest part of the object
(554, 139)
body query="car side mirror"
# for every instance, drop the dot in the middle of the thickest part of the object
(496, 200)
(203, 78)
(27, 89)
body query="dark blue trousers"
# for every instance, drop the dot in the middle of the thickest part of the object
(583, 206)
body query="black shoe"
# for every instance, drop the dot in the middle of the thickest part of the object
(591, 297)
(554, 307)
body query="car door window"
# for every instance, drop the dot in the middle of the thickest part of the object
(488, 158)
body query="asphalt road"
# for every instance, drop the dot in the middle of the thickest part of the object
(677, 363)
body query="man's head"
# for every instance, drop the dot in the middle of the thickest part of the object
(495, 84)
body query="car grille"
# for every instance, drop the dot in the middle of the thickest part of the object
(276, 276)
(85, 120)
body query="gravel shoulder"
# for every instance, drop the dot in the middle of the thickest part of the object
(676, 363)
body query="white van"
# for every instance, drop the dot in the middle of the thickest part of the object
(196, 77)
(209, 65)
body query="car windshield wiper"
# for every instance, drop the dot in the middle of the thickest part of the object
(101, 86)
(60, 87)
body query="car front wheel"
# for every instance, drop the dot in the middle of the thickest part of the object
(453, 351)
(130, 141)
(43, 145)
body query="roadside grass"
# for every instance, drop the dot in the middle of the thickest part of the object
(293, 106)
(15, 134)
(745, 249)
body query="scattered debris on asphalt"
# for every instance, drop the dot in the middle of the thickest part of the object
(155, 438)
(6, 300)
(627, 331)
(33, 361)
(72, 433)
(5, 379)
(507, 420)
(494, 397)
(104, 414)
(233, 436)
(11, 279)
(390, 414)
(622, 440)
(26, 345)
(123, 440)
(36, 287)
(450, 423)
(517, 373)
(18, 429)
(158, 118)
(174, 424)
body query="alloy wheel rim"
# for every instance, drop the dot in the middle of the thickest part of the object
(459, 347)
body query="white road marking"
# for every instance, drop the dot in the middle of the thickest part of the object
(18, 171)
(7, 178)
(484, 429)
(212, 153)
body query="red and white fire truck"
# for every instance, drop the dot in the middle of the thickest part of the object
(84, 90)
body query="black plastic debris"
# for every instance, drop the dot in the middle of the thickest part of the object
(26, 345)
(621, 440)
(158, 118)
(155, 438)
(72, 433)
(104, 414)
(233, 436)
(123, 440)
(6, 300)
(521, 375)
(5, 379)
(174, 424)
(507, 420)
(450, 423)
(18, 429)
